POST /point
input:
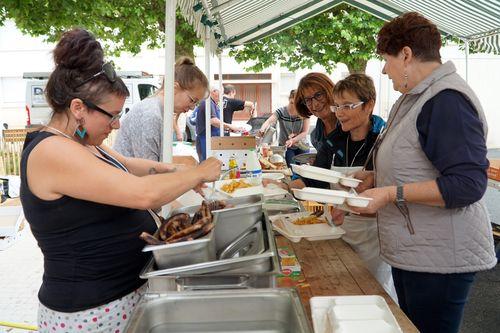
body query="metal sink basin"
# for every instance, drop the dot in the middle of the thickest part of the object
(242, 311)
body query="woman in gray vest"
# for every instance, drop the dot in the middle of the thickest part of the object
(429, 178)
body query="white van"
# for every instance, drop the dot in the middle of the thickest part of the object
(139, 84)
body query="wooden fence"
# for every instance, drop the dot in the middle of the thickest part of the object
(11, 146)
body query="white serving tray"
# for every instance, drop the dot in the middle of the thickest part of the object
(312, 172)
(242, 192)
(352, 314)
(312, 232)
(325, 175)
(334, 197)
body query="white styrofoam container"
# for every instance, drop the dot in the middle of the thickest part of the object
(334, 197)
(350, 182)
(312, 232)
(10, 220)
(257, 187)
(352, 314)
(312, 172)
(321, 195)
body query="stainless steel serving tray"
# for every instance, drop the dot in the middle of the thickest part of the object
(222, 311)
(261, 262)
(184, 253)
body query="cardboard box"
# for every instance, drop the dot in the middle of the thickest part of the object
(289, 264)
(494, 169)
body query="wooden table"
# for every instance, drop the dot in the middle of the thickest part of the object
(332, 268)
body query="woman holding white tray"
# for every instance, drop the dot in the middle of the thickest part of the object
(430, 177)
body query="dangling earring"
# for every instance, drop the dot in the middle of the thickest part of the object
(406, 80)
(80, 131)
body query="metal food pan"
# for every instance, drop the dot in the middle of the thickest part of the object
(184, 253)
(251, 278)
(234, 221)
(234, 203)
(261, 262)
(222, 311)
(245, 272)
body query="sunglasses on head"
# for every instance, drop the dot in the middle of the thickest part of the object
(107, 70)
(114, 117)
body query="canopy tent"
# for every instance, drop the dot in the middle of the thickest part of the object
(236, 22)
(225, 23)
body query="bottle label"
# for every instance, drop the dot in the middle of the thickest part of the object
(254, 173)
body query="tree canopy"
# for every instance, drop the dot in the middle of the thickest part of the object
(122, 25)
(343, 34)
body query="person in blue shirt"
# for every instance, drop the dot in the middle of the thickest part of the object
(201, 138)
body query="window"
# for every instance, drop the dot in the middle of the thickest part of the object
(146, 90)
(37, 96)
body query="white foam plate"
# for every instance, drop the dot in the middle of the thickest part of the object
(321, 195)
(242, 192)
(349, 181)
(312, 232)
(334, 197)
(352, 314)
(312, 172)
(325, 175)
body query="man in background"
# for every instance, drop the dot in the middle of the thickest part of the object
(232, 105)
(215, 123)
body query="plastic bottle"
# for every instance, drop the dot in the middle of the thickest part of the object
(233, 166)
(253, 165)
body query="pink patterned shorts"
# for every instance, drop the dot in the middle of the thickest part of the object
(110, 318)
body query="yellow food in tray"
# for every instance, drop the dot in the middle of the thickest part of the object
(234, 185)
(309, 220)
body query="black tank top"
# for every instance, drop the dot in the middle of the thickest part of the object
(92, 252)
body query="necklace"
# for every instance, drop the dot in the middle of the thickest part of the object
(104, 156)
(347, 152)
(60, 132)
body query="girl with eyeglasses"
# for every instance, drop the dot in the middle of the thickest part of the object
(87, 204)
(141, 131)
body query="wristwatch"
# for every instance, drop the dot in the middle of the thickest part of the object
(400, 202)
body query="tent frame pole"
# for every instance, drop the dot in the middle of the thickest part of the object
(208, 104)
(466, 45)
(168, 87)
(221, 94)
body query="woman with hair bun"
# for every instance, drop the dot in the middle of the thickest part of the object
(85, 203)
(140, 133)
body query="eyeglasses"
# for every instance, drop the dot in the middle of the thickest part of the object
(193, 101)
(318, 97)
(346, 107)
(114, 117)
(107, 70)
